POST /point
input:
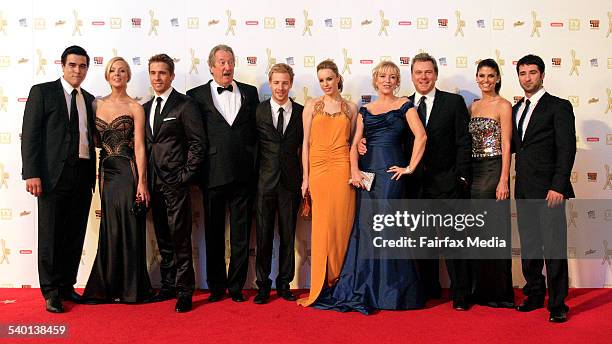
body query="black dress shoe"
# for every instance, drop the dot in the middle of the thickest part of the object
(183, 304)
(72, 296)
(460, 304)
(239, 297)
(529, 305)
(262, 297)
(216, 296)
(558, 316)
(163, 295)
(286, 294)
(54, 305)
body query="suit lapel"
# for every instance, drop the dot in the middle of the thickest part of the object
(438, 104)
(147, 111)
(170, 103)
(210, 102)
(515, 109)
(243, 103)
(267, 108)
(295, 117)
(62, 97)
(539, 109)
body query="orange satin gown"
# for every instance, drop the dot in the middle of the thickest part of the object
(333, 198)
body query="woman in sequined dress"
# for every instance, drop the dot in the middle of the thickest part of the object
(491, 129)
(119, 273)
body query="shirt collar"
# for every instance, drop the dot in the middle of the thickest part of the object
(275, 106)
(536, 96)
(67, 87)
(164, 96)
(430, 96)
(214, 85)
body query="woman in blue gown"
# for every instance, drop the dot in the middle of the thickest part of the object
(368, 282)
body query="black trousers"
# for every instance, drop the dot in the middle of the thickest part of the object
(543, 238)
(238, 197)
(62, 223)
(286, 204)
(171, 207)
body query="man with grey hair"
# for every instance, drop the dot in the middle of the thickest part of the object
(229, 174)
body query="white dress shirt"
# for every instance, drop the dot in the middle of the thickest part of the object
(287, 107)
(429, 101)
(164, 96)
(533, 100)
(228, 103)
(82, 109)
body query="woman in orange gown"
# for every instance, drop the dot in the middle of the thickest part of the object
(329, 122)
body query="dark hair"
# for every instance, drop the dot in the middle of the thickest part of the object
(493, 65)
(165, 59)
(75, 50)
(424, 57)
(531, 60)
(329, 64)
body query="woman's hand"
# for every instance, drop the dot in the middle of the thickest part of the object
(502, 192)
(357, 178)
(304, 187)
(398, 172)
(142, 194)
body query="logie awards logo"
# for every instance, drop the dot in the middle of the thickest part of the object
(5, 251)
(3, 101)
(3, 24)
(536, 24)
(384, 23)
(575, 63)
(42, 62)
(154, 23)
(77, 23)
(347, 62)
(4, 176)
(460, 24)
(308, 23)
(231, 23)
(194, 62)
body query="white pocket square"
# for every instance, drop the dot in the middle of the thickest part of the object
(169, 119)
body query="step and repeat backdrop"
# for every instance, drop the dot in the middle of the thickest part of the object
(575, 41)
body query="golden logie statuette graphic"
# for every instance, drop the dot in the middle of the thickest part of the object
(3, 24)
(306, 96)
(308, 23)
(608, 184)
(535, 24)
(609, 109)
(609, 25)
(347, 62)
(500, 61)
(3, 101)
(575, 63)
(154, 23)
(4, 176)
(384, 23)
(572, 215)
(271, 60)
(606, 254)
(42, 62)
(194, 62)
(460, 24)
(4, 252)
(231, 23)
(77, 23)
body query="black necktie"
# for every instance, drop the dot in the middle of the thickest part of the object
(74, 126)
(422, 110)
(157, 120)
(222, 89)
(522, 119)
(281, 121)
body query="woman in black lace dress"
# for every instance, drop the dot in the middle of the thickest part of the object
(119, 273)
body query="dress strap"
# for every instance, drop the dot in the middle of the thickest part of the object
(319, 106)
(344, 108)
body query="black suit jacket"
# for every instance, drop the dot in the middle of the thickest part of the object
(45, 135)
(231, 149)
(175, 149)
(448, 150)
(545, 156)
(278, 156)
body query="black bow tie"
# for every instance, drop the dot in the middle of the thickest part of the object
(228, 88)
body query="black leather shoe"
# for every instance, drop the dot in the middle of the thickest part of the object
(262, 297)
(54, 305)
(72, 296)
(163, 295)
(528, 305)
(239, 297)
(286, 294)
(460, 304)
(557, 316)
(216, 296)
(183, 304)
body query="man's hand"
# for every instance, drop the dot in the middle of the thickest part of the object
(554, 199)
(34, 186)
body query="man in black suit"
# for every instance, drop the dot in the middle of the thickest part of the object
(445, 169)
(544, 140)
(279, 129)
(175, 147)
(59, 168)
(229, 178)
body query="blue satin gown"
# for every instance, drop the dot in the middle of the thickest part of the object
(366, 285)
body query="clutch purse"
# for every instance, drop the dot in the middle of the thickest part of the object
(306, 207)
(139, 209)
(368, 180)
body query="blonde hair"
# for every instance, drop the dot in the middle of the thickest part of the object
(110, 63)
(329, 64)
(281, 68)
(384, 66)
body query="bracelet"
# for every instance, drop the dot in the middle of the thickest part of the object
(409, 170)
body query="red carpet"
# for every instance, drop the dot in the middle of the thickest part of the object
(590, 321)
